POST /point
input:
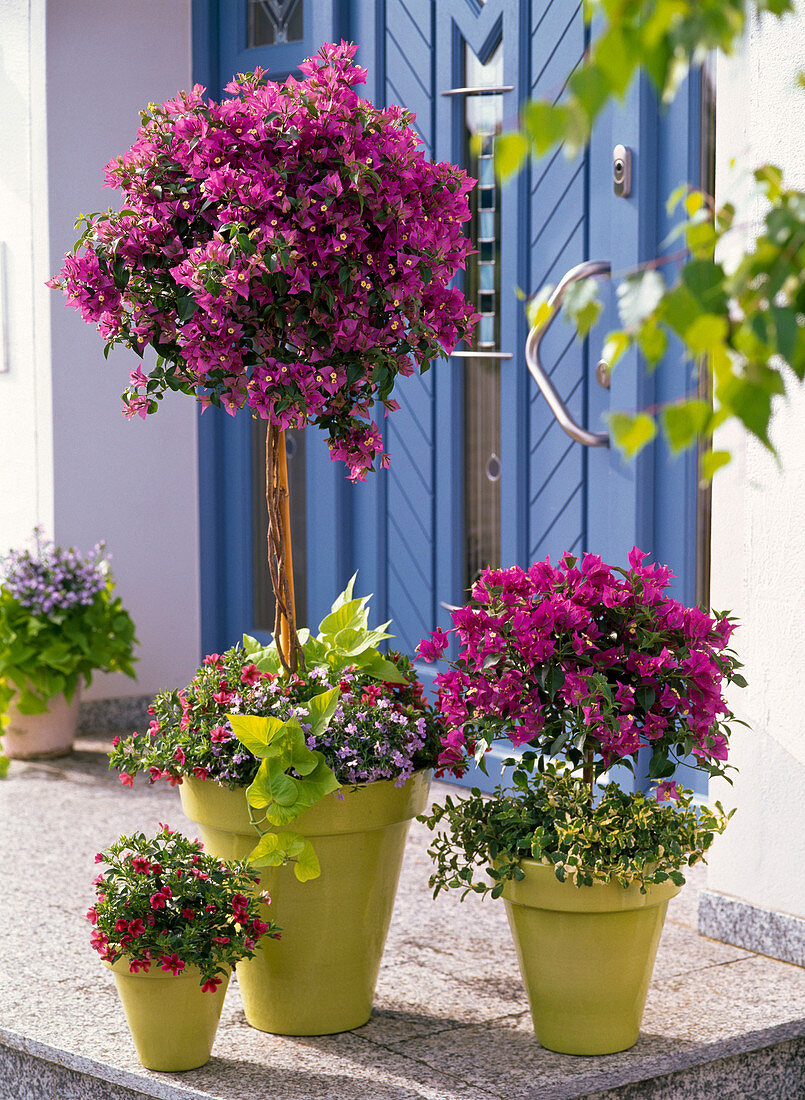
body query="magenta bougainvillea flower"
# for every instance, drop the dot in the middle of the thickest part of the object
(589, 661)
(287, 249)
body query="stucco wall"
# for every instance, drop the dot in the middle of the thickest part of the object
(26, 482)
(74, 76)
(759, 525)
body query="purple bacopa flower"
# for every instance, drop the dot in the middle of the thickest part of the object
(49, 579)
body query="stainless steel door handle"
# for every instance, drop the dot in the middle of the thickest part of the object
(589, 269)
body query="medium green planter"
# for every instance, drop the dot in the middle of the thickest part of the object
(586, 956)
(320, 977)
(172, 1021)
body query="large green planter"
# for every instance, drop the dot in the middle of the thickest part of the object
(586, 956)
(172, 1020)
(320, 977)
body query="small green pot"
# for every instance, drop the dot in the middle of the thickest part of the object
(172, 1021)
(320, 977)
(586, 956)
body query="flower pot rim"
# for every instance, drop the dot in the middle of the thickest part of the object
(541, 889)
(381, 803)
(121, 966)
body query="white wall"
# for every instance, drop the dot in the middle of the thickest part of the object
(759, 524)
(26, 482)
(73, 78)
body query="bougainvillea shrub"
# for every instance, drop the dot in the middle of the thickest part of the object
(586, 661)
(287, 250)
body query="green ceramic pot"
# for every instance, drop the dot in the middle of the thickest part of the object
(172, 1021)
(586, 956)
(320, 977)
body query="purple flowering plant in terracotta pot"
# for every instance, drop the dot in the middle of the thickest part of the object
(60, 621)
(286, 251)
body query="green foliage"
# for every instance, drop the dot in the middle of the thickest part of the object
(42, 656)
(548, 815)
(746, 325)
(291, 778)
(746, 322)
(664, 38)
(344, 641)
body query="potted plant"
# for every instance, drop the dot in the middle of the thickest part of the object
(170, 921)
(59, 622)
(286, 251)
(593, 664)
(323, 772)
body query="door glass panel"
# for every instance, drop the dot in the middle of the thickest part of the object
(262, 595)
(482, 470)
(274, 22)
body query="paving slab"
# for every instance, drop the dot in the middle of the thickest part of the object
(451, 1018)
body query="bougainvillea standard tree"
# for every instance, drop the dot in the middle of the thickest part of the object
(286, 251)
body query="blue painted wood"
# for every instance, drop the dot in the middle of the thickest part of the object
(403, 528)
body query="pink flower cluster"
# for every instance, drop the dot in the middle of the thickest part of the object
(583, 656)
(288, 249)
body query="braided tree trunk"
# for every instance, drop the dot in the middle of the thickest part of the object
(280, 560)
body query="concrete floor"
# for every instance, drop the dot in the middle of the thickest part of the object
(450, 1022)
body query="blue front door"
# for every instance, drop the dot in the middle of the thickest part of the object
(481, 471)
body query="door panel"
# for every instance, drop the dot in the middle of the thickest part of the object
(477, 458)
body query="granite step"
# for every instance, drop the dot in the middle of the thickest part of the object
(450, 1019)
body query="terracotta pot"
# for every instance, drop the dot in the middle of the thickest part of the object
(42, 736)
(586, 956)
(172, 1021)
(320, 977)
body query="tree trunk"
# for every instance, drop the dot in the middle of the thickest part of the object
(280, 560)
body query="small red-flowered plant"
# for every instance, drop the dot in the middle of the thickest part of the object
(288, 249)
(164, 903)
(587, 661)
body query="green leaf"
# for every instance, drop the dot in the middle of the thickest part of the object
(706, 334)
(712, 462)
(615, 346)
(350, 614)
(321, 709)
(274, 849)
(375, 665)
(639, 296)
(509, 153)
(346, 595)
(582, 305)
(685, 422)
(631, 433)
(544, 125)
(538, 312)
(255, 733)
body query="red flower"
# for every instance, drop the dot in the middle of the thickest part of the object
(141, 865)
(188, 914)
(126, 779)
(136, 928)
(221, 939)
(171, 963)
(92, 915)
(158, 900)
(136, 965)
(210, 985)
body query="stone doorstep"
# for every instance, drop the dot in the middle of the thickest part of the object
(768, 1064)
(450, 1019)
